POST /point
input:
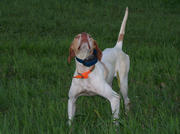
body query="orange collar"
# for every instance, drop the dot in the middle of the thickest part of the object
(85, 74)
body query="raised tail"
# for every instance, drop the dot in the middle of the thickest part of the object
(122, 30)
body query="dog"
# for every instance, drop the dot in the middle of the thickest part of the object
(95, 71)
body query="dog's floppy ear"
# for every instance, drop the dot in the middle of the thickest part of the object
(71, 53)
(99, 52)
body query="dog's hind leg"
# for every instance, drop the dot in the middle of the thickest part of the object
(122, 70)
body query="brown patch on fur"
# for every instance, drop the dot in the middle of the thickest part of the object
(71, 53)
(99, 52)
(121, 36)
(73, 48)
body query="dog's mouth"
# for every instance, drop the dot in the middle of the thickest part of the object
(90, 60)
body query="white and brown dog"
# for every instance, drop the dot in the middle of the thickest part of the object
(95, 71)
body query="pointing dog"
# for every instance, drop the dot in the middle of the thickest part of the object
(95, 71)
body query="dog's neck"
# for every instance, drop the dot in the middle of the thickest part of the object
(80, 68)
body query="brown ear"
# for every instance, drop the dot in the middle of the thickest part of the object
(71, 53)
(99, 52)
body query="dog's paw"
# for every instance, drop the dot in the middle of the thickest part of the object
(69, 122)
(127, 106)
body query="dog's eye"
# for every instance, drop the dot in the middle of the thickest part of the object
(79, 47)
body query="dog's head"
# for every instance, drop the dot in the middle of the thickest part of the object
(83, 46)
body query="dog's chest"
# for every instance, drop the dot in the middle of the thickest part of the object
(86, 84)
(86, 87)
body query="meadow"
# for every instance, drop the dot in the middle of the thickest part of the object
(35, 77)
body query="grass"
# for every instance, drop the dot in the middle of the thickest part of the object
(35, 78)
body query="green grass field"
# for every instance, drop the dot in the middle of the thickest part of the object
(35, 77)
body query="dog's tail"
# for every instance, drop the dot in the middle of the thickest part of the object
(122, 30)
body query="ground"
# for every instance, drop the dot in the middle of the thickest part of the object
(35, 77)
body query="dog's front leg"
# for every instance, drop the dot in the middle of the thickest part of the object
(107, 92)
(73, 95)
(71, 108)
